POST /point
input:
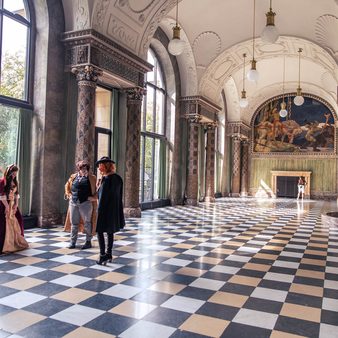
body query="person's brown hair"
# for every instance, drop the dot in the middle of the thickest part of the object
(9, 179)
(109, 167)
(81, 164)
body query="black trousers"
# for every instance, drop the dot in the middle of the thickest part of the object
(102, 244)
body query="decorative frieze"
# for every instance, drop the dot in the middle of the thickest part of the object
(239, 129)
(88, 47)
(199, 108)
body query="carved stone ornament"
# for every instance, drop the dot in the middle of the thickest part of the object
(135, 94)
(211, 125)
(194, 118)
(87, 73)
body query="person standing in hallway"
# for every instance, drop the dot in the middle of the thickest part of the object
(80, 189)
(301, 187)
(110, 216)
(11, 222)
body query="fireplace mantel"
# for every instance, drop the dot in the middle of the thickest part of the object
(276, 173)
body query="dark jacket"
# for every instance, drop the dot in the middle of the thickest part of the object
(110, 217)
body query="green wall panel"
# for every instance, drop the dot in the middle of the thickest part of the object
(323, 177)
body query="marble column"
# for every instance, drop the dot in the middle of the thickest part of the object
(176, 175)
(236, 167)
(132, 167)
(192, 175)
(245, 168)
(85, 129)
(210, 164)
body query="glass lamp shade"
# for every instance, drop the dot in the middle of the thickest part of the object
(270, 34)
(176, 46)
(252, 75)
(243, 102)
(298, 100)
(283, 113)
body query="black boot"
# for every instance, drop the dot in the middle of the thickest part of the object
(110, 237)
(87, 245)
(109, 257)
(102, 260)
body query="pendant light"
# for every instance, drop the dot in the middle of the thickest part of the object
(299, 99)
(252, 73)
(270, 33)
(176, 45)
(243, 102)
(283, 112)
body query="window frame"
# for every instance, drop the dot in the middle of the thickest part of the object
(27, 102)
(153, 135)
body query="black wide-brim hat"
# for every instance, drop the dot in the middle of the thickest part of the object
(104, 159)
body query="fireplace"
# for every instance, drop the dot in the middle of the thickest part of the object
(284, 183)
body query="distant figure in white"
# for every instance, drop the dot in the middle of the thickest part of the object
(301, 187)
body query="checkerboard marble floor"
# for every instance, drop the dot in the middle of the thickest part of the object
(233, 268)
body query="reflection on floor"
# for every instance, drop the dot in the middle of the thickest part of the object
(234, 268)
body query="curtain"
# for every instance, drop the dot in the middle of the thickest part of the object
(23, 159)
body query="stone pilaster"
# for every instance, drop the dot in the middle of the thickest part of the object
(192, 175)
(85, 129)
(132, 168)
(245, 168)
(236, 167)
(210, 164)
(176, 176)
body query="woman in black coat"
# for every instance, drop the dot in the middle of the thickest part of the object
(110, 217)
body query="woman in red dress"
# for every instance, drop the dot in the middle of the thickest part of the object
(11, 223)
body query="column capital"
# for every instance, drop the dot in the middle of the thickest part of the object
(87, 73)
(211, 126)
(136, 93)
(194, 118)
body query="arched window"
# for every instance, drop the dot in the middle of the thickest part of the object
(15, 35)
(153, 135)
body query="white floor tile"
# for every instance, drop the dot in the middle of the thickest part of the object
(144, 329)
(122, 291)
(70, 280)
(21, 299)
(77, 315)
(185, 304)
(256, 318)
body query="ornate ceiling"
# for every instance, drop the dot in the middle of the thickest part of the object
(217, 33)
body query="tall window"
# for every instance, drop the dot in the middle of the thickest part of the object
(15, 31)
(103, 108)
(15, 35)
(153, 138)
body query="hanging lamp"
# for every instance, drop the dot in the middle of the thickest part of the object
(243, 102)
(299, 99)
(283, 112)
(252, 73)
(176, 45)
(270, 33)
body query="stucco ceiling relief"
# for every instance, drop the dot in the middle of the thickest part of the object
(326, 33)
(137, 10)
(118, 30)
(206, 47)
(154, 22)
(100, 14)
(81, 15)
